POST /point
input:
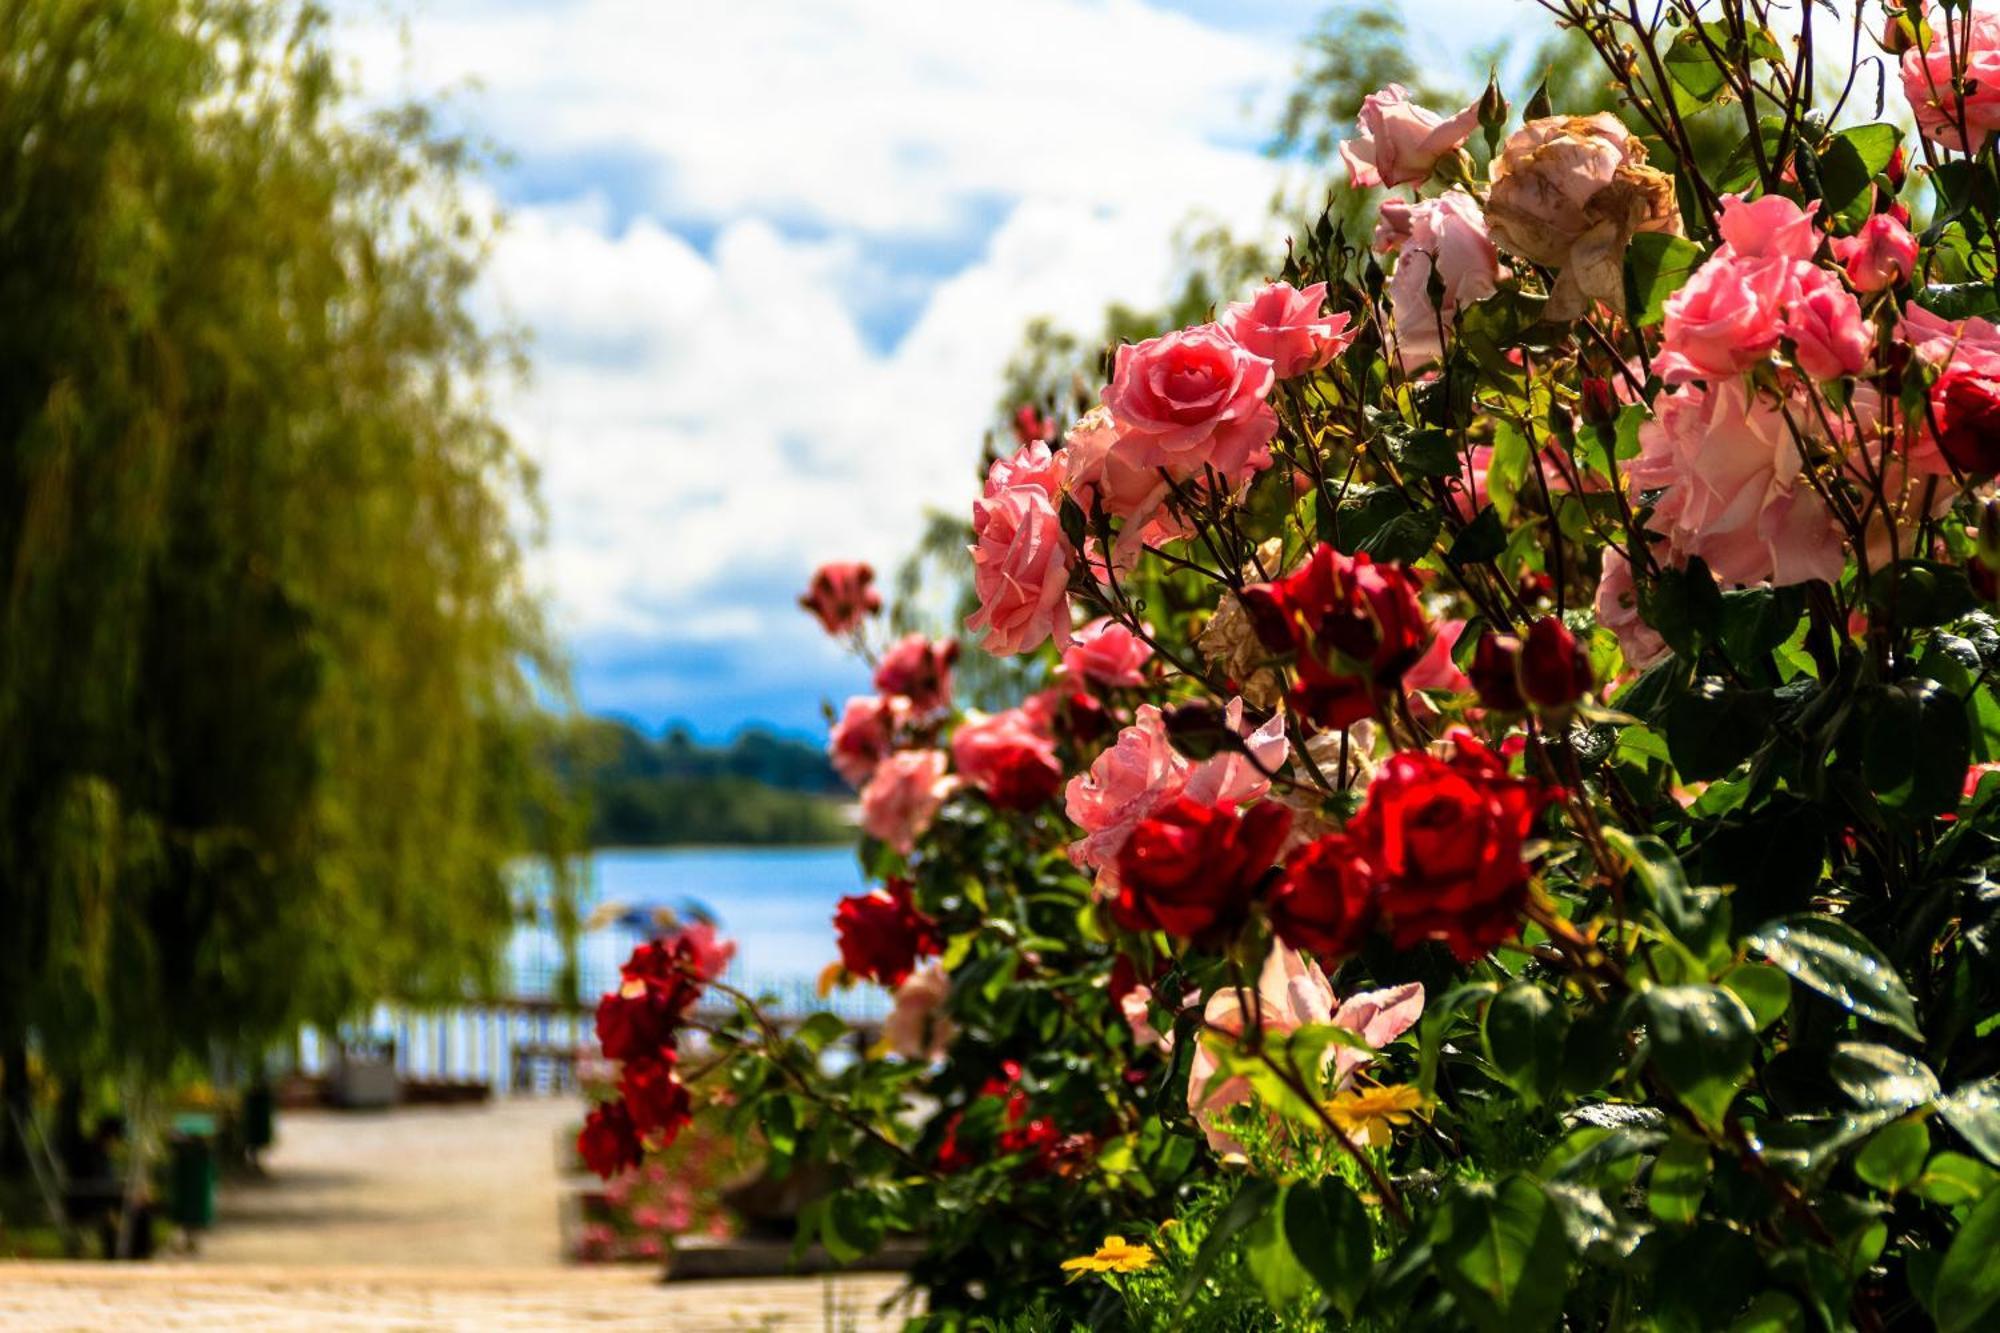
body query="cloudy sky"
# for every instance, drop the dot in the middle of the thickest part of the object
(774, 253)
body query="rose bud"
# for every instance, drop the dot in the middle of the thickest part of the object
(1967, 407)
(1897, 172)
(1554, 669)
(1598, 403)
(1495, 672)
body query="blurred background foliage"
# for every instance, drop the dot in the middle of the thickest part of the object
(276, 703)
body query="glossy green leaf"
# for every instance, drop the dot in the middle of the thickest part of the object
(1968, 1281)
(1524, 1033)
(1837, 961)
(1656, 266)
(1272, 1264)
(1894, 1158)
(1679, 1180)
(1765, 991)
(1700, 1039)
(1974, 1111)
(1327, 1228)
(1881, 1078)
(1850, 160)
(1952, 1179)
(1499, 1250)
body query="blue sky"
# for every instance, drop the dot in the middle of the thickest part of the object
(773, 254)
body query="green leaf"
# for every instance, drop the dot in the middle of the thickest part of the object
(1679, 1180)
(1481, 539)
(1952, 1179)
(1428, 453)
(1765, 991)
(1754, 621)
(1437, 1017)
(1894, 1158)
(1656, 266)
(1920, 593)
(1850, 160)
(1771, 1312)
(1700, 1039)
(1271, 1261)
(1916, 747)
(1327, 1227)
(1835, 960)
(1253, 1199)
(1960, 300)
(1974, 1111)
(1499, 1249)
(1968, 1281)
(1881, 1078)
(1524, 1033)
(820, 1031)
(1695, 917)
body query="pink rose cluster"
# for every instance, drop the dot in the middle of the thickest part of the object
(878, 744)
(1179, 408)
(1953, 82)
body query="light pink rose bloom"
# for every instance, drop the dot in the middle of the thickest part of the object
(864, 735)
(1466, 493)
(1104, 474)
(1435, 670)
(1140, 772)
(1193, 399)
(1770, 227)
(1618, 611)
(1726, 318)
(1033, 464)
(1448, 235)
(1137, 1007)
(917, 1028)
(1903, 467)
(1734, 493)
(1399, 142)
(1020, 571)
(1292, 992)
(1238, 779)
(1970, 344)
(1879, 256)
(1392, 226)
(903, 797)
(1829, 336)
(1108, 653)
(1929, 86)
(1289, 328)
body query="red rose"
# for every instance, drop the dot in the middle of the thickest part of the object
(1356, 626)
(655, 1098)
(1496, 672)
(883, 935)
(1031, 425)
(608, 1142)
(840, 595)
(920, 670)
(1443, 839)
(1967, 407)
(1191, 868)
(1555, 671)
(1009, 757)
(1326, 900)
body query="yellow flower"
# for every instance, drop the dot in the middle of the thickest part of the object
(1365, 1115)
(1114, 1256)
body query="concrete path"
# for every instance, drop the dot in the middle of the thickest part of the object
(441, 1218)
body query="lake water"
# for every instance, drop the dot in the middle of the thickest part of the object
(775, 902)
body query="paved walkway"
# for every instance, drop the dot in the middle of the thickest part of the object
(424, 1218)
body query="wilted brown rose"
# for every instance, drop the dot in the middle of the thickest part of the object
(1229, 640)
(1569, 193)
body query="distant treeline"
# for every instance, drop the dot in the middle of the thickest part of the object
(647, 792)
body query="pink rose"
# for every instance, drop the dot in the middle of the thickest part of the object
(1435, 670)
(917, 1028)
(1879, 256)
(1935, 95)
(864, 735)
(919, 669)
(1448, 236)
(1734, 494)
(1193, 399)
(1008, 756)
(1392, 226)
(840, 596)
(1399, 142)
(1107, 653)
(1829, 336)
(1232, 778)
(1466, 493)
(1031, 465)
(1104, 475)
(1970, 345)
(1139, 773)
(1286, 327)
(903, 797)
(1020, 571)
(1137, 1007)
(1771, 227)
(1725, 320)
(1292, 992)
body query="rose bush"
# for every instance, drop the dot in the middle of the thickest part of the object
(1575, 647)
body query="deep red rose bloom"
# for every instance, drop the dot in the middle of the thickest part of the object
(655, 1097)
(1555, 670)
(919, 669)
(1191, 867)
(1355, 626)
(608, 1142)
(883, 935)
(1325, 901)
(1967, 408)
(1443, 839)
(840, 595)
(1495, 671)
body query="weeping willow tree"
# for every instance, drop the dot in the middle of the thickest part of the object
(271, 689)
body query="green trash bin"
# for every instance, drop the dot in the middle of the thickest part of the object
(192, 1173)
